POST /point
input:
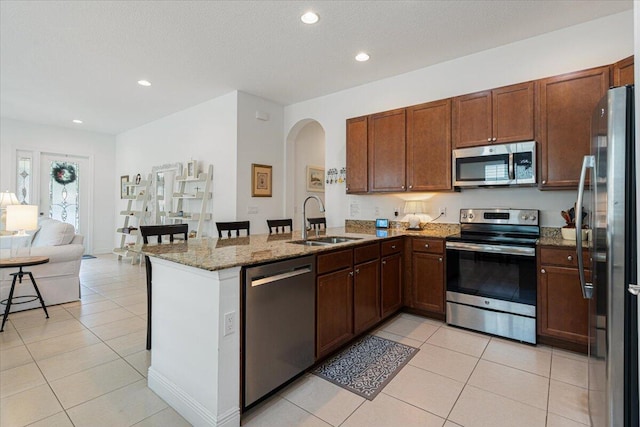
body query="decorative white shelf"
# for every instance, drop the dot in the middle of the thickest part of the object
(190, 196)
(137, 210)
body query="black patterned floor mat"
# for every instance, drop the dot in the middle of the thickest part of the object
(366, 366)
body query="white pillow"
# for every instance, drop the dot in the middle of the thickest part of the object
(54, 233)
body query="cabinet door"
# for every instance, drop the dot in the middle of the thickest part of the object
(357, 177)
(391, 284)
(562, 311)
(513, 113)
(623, 72)
(334, 310)
(428, 282)
(429, 146)
(565, 104)
(366, 295)
(387, 151)
(472, 119)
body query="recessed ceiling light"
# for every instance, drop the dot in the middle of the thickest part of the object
(76, 121)
(361, 57)
(144, 82)
(310, 18)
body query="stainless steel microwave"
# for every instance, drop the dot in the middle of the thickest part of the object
(493, 165)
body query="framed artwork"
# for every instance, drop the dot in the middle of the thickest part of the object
(192, 169)
(124, 188)
(260, 180)
(315, 178)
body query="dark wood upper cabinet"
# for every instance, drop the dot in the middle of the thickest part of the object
(429, 146)
(495, 116)
(387, 151)
(564, 106)
(357, 177)
(622, 72)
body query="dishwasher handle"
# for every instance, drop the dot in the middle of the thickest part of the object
(281, 276)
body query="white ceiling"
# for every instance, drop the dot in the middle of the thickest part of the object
(62, 60)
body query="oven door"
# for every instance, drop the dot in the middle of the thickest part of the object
(496, 272)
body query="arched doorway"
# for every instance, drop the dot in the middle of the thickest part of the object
(305, 154)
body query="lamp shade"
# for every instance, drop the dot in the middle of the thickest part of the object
(415, 206)
(7, 198)
(22, 217)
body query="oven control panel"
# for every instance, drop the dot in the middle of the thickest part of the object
(500, 216)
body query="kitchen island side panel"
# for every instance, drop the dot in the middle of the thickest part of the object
(194, 367)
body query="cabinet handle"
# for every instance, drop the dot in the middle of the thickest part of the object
(544, 181)
(494, 139)
(347, 188)
(488, 139)
(426, 245)
(569, 258)
(357, 270)
(393, 246)
(384, 262)
(440, 259)
(402, 187)
(411, 186)
(543, 271)
(351, 273)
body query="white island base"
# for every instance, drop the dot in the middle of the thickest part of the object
(194, 367)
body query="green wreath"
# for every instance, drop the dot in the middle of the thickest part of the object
(63, 173)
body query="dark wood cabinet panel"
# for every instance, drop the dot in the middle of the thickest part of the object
(366, 295)
(391, 284)
(428, 282)
(333, 261)
(472, 119)
(564, 105)
(513, 113)
(622, 72)
(429, 146)
(391, 246)
(387, 146)
(429, 245)
(357, 160)
(334, 311)
(562, 311)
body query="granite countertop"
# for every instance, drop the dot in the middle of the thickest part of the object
(553, 237)
(217, 254)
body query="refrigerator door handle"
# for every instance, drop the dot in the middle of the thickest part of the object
(587, 288)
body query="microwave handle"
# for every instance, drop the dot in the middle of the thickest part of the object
(511, 167)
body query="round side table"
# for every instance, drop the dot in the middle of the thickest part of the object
(19, 263)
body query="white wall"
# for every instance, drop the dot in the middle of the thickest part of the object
(260, 142)
(594, 43)
(309, 151)
(206, 132)
(98, 147)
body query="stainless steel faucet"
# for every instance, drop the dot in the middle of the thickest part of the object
(304, 214)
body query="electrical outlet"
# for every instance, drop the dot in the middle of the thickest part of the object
(377, 211)
(443, 211)
(229, 323)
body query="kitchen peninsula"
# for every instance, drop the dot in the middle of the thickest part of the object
(195, 367)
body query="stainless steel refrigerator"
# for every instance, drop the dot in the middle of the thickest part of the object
(610, 201)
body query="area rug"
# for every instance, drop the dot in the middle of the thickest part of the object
(366, 366)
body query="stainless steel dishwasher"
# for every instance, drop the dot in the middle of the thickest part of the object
(278, 325)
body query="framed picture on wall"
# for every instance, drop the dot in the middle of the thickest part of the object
(124, 188)
(315, 178)
(261, 180)
(192, 169)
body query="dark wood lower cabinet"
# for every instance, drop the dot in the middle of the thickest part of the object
(563, 313)
(334, 311)
(428, 286)
(366, 295)
(391, 284)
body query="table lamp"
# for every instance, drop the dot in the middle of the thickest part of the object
(6, 198)
(21, 218)
(413, 207)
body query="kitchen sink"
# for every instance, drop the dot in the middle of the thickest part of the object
(325, 241)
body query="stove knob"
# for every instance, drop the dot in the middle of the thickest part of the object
(533, 217)
(470, 216)
(525, 217)
(464, 215)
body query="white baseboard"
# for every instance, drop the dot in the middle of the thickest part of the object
(186, 406)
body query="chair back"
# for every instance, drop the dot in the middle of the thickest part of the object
(317, 223)
(232, 226)
(163, 230)
(280, 225)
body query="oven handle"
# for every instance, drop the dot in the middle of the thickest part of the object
(494, 249)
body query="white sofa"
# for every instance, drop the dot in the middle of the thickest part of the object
(59, 279)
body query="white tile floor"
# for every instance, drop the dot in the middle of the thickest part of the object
(87, 366)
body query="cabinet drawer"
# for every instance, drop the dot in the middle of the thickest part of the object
(564, 257)
(432, 246)
(334, 261)
(391, 246)
(366, 253)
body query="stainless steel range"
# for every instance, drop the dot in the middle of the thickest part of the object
(491, 272)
